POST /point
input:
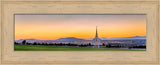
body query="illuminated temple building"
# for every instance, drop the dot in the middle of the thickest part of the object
(96, 40)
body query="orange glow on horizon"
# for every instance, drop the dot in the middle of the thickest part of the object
(79, 27)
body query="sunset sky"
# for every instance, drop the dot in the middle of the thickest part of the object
(51, 27)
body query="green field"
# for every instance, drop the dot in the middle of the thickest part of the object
(62, 48)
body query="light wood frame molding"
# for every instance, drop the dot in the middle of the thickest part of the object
(148, 7)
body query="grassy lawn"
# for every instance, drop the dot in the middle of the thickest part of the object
(62, 48)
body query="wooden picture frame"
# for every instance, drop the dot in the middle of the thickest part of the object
(10, 7)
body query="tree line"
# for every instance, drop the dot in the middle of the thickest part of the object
(81, 45)
(24, 42)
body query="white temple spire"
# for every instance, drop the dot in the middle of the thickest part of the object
(96, 32)
(96, 40)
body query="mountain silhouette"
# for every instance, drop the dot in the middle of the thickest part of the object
(75, 39)
(69, 39)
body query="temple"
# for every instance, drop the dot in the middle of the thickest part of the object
(96, 40)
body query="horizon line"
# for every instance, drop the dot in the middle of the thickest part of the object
(81, 38)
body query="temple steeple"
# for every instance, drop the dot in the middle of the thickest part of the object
(96, 32)
(96, 40)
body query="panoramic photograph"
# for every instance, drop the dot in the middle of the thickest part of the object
(80, 32)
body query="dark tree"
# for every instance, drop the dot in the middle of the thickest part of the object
(60, 44)
(89, 44)
(129, 47)
(109, 46)
(34, 43)
(69, 44)
(15, 43)
(24, 42)
(27, 43)
(103, 44)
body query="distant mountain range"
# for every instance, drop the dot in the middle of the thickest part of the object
(75, 39)
(69, 39)
(127, 38)
(121, 38)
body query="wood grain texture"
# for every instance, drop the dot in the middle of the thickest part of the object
(83, 0)
(0, 28)
(11, 7)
